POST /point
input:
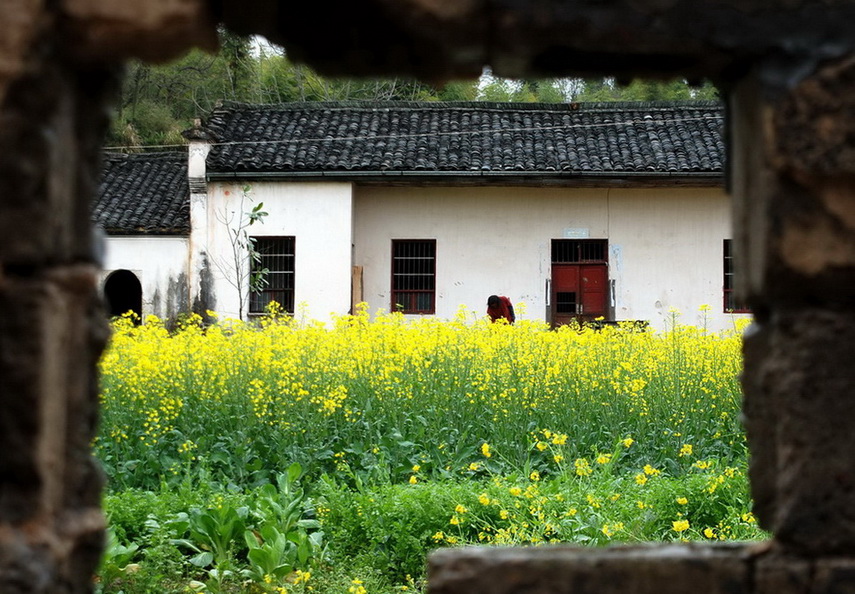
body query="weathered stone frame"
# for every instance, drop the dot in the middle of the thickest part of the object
(789, 69)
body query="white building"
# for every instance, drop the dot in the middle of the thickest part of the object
(143, 205)
(573, 211)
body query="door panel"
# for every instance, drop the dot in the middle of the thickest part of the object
(565, 276)
(565, 291)
(578, 292)
(594, 282)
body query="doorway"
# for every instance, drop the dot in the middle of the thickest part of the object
(579, 288)
(123, 293)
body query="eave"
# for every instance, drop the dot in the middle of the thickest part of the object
(486, 178)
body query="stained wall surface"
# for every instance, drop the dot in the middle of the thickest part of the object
(161, 266)
(320, 218)
(665, 245)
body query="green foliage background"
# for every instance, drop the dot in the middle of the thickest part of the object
(159, 101)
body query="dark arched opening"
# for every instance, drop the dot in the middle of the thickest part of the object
(123, 293)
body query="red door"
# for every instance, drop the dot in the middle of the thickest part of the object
(578, 292)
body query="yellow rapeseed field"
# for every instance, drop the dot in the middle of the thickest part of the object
(459, 397)
(411, 434)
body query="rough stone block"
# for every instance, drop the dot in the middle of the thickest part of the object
(19, 24)
(155, 30)
(51, 333)
(52, 123)
(803, 370)
(777, 574)
(49, 343)
(714, 569)
(834, 576)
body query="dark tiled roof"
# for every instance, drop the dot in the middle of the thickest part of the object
(145, 193)
(466, 138)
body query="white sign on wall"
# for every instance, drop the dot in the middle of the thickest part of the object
(576, 233)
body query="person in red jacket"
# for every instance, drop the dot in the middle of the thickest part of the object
(500, 307)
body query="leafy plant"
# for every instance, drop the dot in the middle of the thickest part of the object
(287, 540)
(211, 533)
(116, 560)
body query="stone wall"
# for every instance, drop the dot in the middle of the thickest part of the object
(788, 66)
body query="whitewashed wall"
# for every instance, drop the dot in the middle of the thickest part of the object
(665, 245)
(318, 215)
(160, 263)
(666, 251)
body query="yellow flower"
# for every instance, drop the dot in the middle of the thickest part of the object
(484, 499)
(439, 536)
(604, 458)
(709, 532)
(504, 514)
(686, 450)
(703, 465)
(628, 442)
(534, 476)
(582, 467)
(749, 517)
(413, 480)
(416, 468)
(474, 466)
(558, 458)
(641, 478)
(515, 491)
(559, 439)
(650, 471)
(542, 445)
(460, 509)
(485, 450)
(611, 530)
(454, 521)
(301, 577)
(680, 525)
(682, 500)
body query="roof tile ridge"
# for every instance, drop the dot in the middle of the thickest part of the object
(474, 105)
(146, 155)
(367, 103)
(659, 105)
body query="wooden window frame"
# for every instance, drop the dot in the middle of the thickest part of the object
(282, 288)
(399, 269)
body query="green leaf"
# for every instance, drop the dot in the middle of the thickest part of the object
(294, 472)
(202, 559)
(185, 543)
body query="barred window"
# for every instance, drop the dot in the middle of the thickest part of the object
(277, 257)
(573, 251)
(414, 276)
(730, 303)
